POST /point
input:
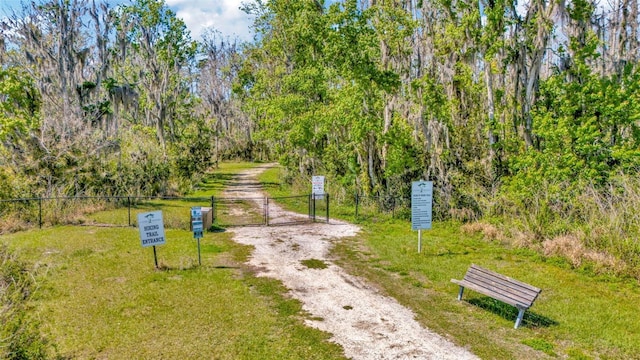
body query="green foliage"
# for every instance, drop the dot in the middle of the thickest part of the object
(586, 132)
(192, 156)
(20, 337)
(19, 105)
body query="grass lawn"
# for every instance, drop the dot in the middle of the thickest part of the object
(577, 316)
(100, 295)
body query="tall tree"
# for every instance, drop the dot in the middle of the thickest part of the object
(156, 49)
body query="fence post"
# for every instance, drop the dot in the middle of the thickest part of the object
(129, 207)
(393, 207)
(40, 212)
(357, 200)
(327, 195)
(213, 209)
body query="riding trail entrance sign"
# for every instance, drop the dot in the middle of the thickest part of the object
(151, 229)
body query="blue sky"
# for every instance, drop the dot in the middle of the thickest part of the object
(223, 15)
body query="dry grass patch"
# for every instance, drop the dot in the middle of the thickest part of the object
(489, 231)
(570, 247)
(10, 224)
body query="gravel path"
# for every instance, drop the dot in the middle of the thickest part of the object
(365, 323)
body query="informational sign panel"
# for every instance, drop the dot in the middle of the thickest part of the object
(151, 228)
(317, 187)
(421, 204)
(196, 222)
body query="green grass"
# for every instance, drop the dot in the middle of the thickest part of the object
(218, 179)
(102, 296)
(314, 264)
(577, 316)
(175, 212)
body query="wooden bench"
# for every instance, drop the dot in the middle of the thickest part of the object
(499, 287)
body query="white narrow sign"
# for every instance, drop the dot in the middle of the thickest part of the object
(317, 187)
(421, 204)
(151, 228)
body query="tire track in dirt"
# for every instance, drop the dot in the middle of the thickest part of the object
(367, 324)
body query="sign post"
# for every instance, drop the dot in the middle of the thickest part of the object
(421, 206)
(196, 227)
(151, 229)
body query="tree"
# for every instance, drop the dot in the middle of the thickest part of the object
(156, 49)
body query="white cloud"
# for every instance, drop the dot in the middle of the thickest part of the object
(223, 15)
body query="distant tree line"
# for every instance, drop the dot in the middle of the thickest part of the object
(112, 101)
(522, 113)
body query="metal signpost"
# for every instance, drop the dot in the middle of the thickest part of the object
(421, 205)
(196, 227)
(151, 229)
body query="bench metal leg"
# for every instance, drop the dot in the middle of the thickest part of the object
(460, 293)
(520, 316)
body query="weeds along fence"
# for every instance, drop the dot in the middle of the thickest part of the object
(22, 213)
(370, 206)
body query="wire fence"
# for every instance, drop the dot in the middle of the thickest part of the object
(97, 210)
(366, 206)
(122, 211)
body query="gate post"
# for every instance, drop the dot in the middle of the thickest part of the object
(357, 200)
(213, 209)
(327, 196)
(314, 207)
(40, 212)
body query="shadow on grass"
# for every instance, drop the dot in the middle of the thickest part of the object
(192, 267)
(215, 181)
(271, 185)
(531, 319)
(215, 228)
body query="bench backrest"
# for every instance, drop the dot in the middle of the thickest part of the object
(509, 290)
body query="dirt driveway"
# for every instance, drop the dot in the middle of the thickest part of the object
(365, 323)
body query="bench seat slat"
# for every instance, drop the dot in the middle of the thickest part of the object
(503, 288)
(500, 276)
(497, 296)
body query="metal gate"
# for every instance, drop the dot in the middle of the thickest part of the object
(287, 210)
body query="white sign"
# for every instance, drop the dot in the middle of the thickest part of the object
(317, 187)
(421, 204)
(151, 228)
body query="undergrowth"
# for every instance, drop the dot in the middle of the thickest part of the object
(20, 336)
